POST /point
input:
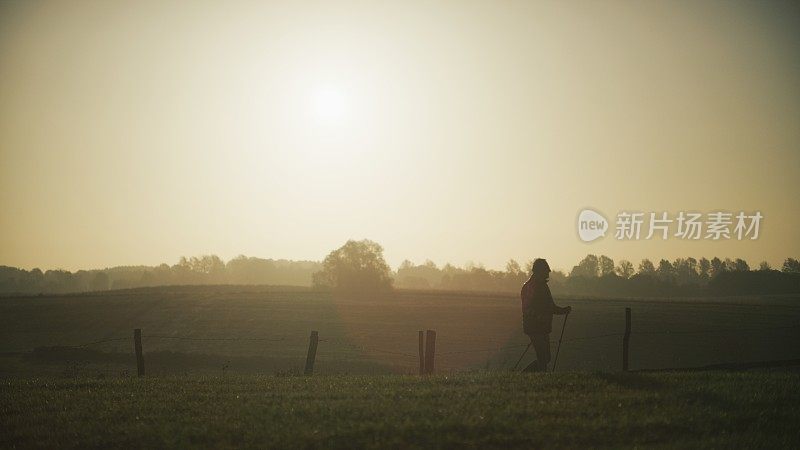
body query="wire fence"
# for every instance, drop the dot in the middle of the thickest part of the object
(218, 339)
(482, 350)
(363, 348)
(406, 357)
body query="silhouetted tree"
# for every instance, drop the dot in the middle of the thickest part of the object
(606, 265)
(646, 267)
(589, 267)
(625, 269)
(418, 277)
(210, 265)
(686, 270)
(730, 266)
(704, 269)
(791, 265)
(513, 268)
(764, 266)
(666, 271)
(717, 266)
(356, 266)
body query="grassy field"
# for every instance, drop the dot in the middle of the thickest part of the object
(756, 409)
(262, 330)
(222, 365)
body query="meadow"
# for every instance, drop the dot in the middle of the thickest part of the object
(755, 409)
(264, 330)
(224, 368)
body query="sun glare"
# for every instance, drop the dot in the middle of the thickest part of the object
(330, 105)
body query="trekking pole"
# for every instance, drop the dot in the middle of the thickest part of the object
(563, 327)
(523, 355)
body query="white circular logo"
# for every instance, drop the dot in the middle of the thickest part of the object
(591, 225)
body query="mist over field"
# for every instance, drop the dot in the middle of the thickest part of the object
(399, 224)
(593, 275)
(137, 134)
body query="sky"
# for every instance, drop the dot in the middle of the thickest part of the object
(137, 132)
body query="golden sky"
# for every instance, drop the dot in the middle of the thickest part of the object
(137, 132)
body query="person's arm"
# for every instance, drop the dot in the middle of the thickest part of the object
(561, 311)
(558, 309)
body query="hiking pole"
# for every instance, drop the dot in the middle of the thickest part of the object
(523, 355)
(563, 327)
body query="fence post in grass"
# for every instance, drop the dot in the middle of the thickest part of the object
(626, 339)
(312, 353)
(137, 345)
(421, 352)
(430, 350)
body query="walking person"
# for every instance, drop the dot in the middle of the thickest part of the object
(538, 309)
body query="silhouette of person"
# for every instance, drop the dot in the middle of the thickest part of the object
(537, 314)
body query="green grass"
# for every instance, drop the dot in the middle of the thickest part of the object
(468, 410)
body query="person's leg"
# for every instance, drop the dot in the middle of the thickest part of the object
(541, 343)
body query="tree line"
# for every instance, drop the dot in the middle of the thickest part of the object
(600, 275)
(360, 266)
(206, 269)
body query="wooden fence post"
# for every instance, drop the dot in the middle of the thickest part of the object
(312, 353)
(421, 352)
(137, 345)
(430, 350)
(626, 339)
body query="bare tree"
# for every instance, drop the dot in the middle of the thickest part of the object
(625, 269)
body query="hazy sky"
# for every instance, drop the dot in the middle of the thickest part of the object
(137, 132)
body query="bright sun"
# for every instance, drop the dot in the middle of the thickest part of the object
(330, 105)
